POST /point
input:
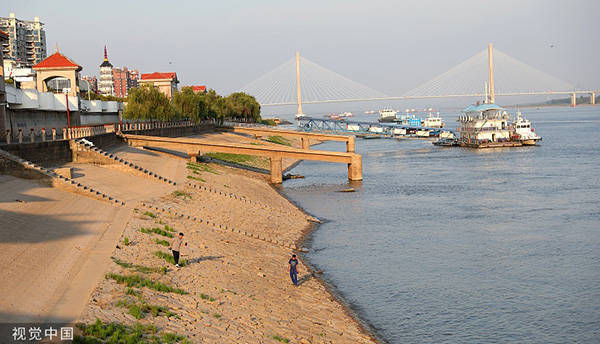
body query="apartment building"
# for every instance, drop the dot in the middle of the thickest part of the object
(26, 40)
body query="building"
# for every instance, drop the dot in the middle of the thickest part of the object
(196, 88)
(124, 79)
(3, 39)
(92, 81)
(57, 73)
(164, 82)
(26, 40)
(107, 85)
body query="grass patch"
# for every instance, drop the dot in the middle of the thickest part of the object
(206, 297)
(147, 213)
(281, 339)
(227, 186)
(100, 332)
(199, 167)
(139, 310)
(184, 194)
(158, 231)
(137, 281)
(126, 241)
(169, 258)
(132, 292)
(237, 158)
(139, 268)
(217, 315)
(161, 242)
(196, 178)
(280, 140)
(242, 159)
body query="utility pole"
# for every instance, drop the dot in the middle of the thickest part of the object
(299, 92)
(491, 68)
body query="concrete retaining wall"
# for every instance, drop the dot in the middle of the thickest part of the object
(46, 154)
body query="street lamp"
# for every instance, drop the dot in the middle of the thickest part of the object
(66, 92)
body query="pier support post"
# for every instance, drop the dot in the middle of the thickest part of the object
(573, 99)
(276, 170)
(350, 145)
(593, 98)
(305, 143)
(355, 168)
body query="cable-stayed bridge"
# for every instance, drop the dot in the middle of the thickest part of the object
(301, 81)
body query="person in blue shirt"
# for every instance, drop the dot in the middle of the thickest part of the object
(293, 269)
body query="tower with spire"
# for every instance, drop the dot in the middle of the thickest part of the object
(107, 84)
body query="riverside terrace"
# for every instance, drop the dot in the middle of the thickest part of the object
(193, 147)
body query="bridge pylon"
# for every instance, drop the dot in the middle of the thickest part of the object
(298, 84)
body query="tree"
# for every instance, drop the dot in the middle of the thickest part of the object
(240, 105)
(146, 102)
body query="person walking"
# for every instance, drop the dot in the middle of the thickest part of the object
(175, 247)
(293, 269)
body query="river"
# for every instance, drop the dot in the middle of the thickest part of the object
(455, 245)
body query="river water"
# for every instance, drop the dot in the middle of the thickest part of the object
(454, 245)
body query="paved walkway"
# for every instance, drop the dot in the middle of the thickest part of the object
(45, 236)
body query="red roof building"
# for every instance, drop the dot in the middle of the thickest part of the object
(196, 88)
(164, 82)
(57, 67)
(57, 60)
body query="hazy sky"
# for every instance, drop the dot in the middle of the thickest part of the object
(391, 46)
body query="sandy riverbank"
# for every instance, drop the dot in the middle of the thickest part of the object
(237, 285)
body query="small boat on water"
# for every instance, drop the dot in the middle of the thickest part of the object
(370, 112)
(524, 132)
(340, 117)
(387, 115)
(433, 121)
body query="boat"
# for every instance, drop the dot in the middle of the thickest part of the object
(341, 116)
(488, 125)
(387, 115)
(433, 121)
(370, 112)
(300, 116)
(524, 132)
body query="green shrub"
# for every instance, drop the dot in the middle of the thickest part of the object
(137, 281)
(281, 339)
(147, 213)
(169, 258)
(138, 268)
(184, 194)
(161, 242)
(126, 241)
(157, 230)
(196, 178)
(113, 333)
(100, 332)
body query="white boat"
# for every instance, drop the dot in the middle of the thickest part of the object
(352, 127)
(300, 116)
(387, 115)
(346, 114)
(376, 130)
(370, 112)
(524, 132)
(422, 133)
(399, 131)
(433, 121)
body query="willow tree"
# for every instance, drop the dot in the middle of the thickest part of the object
(146, 102)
